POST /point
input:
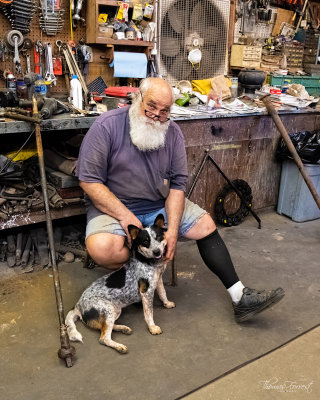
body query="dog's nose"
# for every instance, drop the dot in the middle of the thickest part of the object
(156, 253)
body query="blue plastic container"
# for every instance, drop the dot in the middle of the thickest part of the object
(295, 199)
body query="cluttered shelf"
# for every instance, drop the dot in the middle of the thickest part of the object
(56, 123)
(34, 217)
(123, 42)
(65, 122)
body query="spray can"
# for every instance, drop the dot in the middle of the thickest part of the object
(11, 82)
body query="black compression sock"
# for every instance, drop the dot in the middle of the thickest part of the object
(217, 258)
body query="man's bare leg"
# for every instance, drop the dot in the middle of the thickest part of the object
(107, 250)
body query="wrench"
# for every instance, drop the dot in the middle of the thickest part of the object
(16, 58)
(28, 63)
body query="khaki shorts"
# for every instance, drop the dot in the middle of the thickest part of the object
(106, 224)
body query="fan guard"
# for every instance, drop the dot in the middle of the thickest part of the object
(183, 20)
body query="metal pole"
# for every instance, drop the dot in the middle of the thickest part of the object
(66, 351)
(272, 111)
(205, 157)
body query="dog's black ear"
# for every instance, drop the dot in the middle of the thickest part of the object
(133, 231)
(159, 221)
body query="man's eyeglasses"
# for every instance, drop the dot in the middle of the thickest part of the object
(155, 117)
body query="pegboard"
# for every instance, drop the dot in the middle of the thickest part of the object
(261, 30)
(36, 34)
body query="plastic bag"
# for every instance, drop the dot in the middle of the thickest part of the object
(307, 145)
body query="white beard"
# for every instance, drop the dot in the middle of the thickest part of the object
(145, 133)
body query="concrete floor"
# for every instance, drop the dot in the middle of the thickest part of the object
(201, 348)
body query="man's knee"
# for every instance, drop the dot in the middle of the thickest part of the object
(202, 228)
(107, 250)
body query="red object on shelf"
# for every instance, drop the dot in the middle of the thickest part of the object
(120, 91)
(275, 91)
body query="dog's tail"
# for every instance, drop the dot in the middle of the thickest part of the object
(71, 318)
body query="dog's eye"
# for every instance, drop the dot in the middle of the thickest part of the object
(145, 243)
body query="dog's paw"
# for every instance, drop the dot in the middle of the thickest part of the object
(155, 330)
(121, 348)
(75, 336)
(127, 330)
(169, 304)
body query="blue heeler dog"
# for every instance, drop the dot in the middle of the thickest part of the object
(101, 303)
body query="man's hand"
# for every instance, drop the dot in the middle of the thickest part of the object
(129, 219)
(171, 238)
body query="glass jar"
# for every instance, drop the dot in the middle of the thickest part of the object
(22, 89)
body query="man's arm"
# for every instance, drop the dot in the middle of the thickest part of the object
(174, 208)
(105, 201)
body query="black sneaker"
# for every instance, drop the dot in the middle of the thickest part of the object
(254, 301)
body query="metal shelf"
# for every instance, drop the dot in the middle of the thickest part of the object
(34, 217)
(59, 123)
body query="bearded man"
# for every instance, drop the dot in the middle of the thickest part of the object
(132, 165)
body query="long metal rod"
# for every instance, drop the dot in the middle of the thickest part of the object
(205, 157)
(66, 351)
(272, 111)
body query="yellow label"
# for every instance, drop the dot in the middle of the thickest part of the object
(103, 18)
(120, 13)
(225, 146)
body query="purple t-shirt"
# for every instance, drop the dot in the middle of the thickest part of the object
(138, 178)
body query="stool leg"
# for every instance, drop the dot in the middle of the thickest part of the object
(174, 278)
(86, 260)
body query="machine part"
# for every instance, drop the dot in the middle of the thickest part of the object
(27, 44)
(66, 351)
(205, 158)
(49, 108)
(272, 111)
(10, 37)
(8, 98)
(235, 218)
(28, 103)
(29, 80)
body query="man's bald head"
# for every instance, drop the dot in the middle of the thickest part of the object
(157, 87)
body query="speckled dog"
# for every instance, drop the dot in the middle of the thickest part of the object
(101, 303)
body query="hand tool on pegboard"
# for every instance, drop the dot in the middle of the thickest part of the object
(14, 41)
(74, 69)
(275, 116)
(51, 17)
(20, 14)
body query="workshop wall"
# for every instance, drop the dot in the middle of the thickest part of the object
(98, 67)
